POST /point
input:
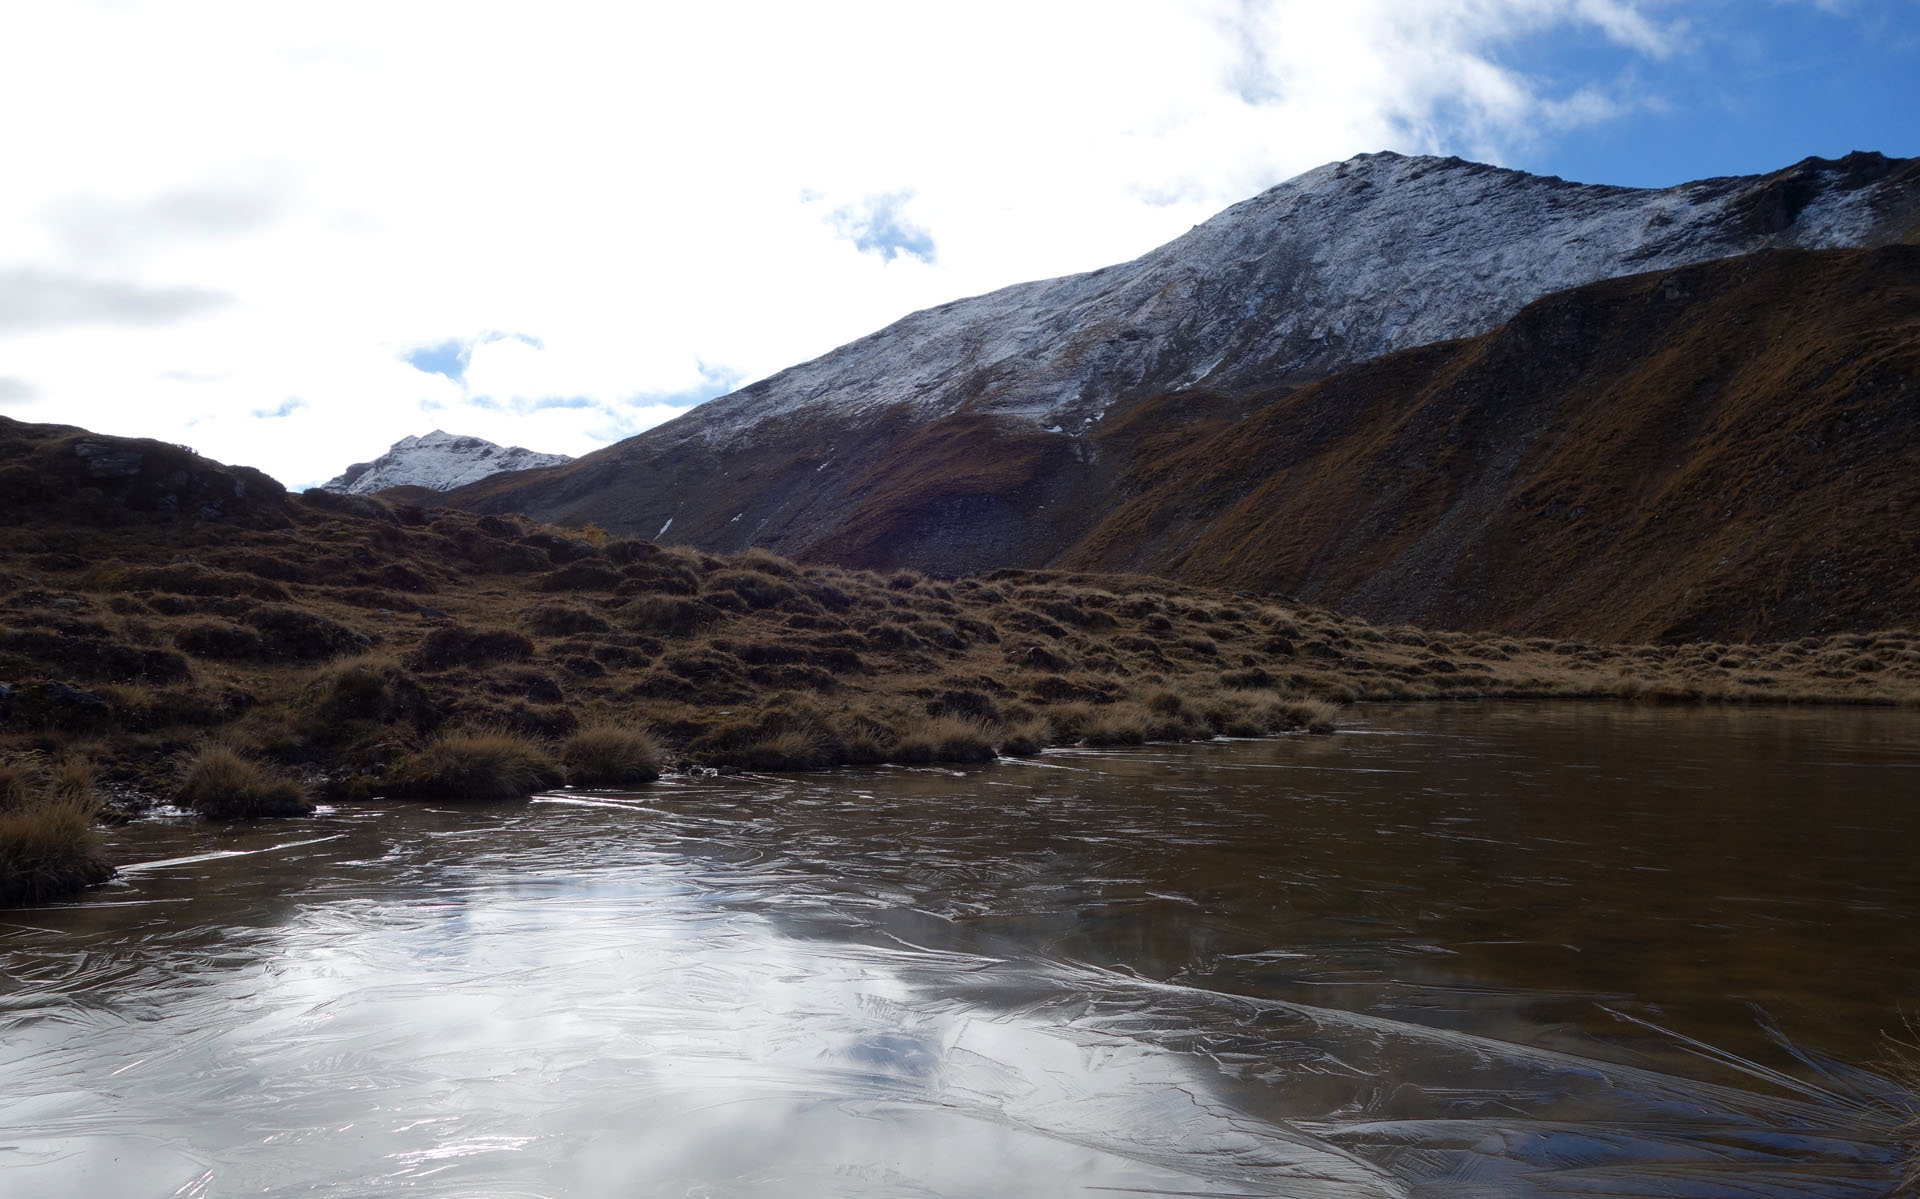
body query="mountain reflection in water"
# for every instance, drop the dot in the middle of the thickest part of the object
(1452, 952)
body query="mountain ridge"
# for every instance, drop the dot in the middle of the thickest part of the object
(984, 420)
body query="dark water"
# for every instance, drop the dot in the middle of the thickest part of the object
(1453, 952)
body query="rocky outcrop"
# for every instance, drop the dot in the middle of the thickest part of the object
(91, 476)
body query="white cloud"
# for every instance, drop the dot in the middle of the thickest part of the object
(663, 200)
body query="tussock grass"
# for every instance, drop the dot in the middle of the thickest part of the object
(1026, 738)
(948, 739)
(1312, 715)
(220, 784)
(477, 765)
(789, 749)
(611, 755)
(49, 845)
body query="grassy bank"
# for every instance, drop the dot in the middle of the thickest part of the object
(350, 648)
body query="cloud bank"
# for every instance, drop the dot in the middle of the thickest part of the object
(290, 238)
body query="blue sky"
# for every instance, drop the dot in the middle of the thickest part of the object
(289, 237)
(1753, 85)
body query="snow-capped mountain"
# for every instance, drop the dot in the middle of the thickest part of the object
(991, 431)
(438, 460)
(1344, 263)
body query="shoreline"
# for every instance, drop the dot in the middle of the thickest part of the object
(333, 647)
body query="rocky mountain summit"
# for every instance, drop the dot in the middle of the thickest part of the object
(439, 461)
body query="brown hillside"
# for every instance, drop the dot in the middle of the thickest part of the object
(1724, 450)
(244, 663)
(1728, 450)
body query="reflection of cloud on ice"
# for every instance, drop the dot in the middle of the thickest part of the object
(669, 994)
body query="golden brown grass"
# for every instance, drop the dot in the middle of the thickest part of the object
(477, 765)
(219, 783)
(49, 845)
(611, 755)
(947, 739)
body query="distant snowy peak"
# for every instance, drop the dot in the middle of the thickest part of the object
(437, 460)
(1345, 263)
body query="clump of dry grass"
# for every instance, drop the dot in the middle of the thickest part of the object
(477, 765)
(49, 846)
(219, 783)
(947, 739)
(611, 755)
(1313, 715)
(1117, 724)
(792, 748)
(1026, 738)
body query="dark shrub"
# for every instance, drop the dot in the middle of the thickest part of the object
(702, 664)
(1204, 646)
(580, 576)
(363, 506)
(220, 640)
(531, 685)
(267, 566)
(584, 668)
(498, 526)
(673, 615)
(766, 562)
(625, 550)
(1028, 620)
(561, 549)
(828, 596)
(793, 678)
(88, 658)
(1040, 657)
(964, 702)
(1053, 688)
(302, 636)
(372, 690)
(889, 635)
(52, 706)
(369, 597)
(756, 588)
(1251, 678)
(663, 576)
(190, 578)
(1073, 614)
(456, 646)
(561, 620)
(625, 657)
(402, 577)
(940, 633)
(504, 557)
